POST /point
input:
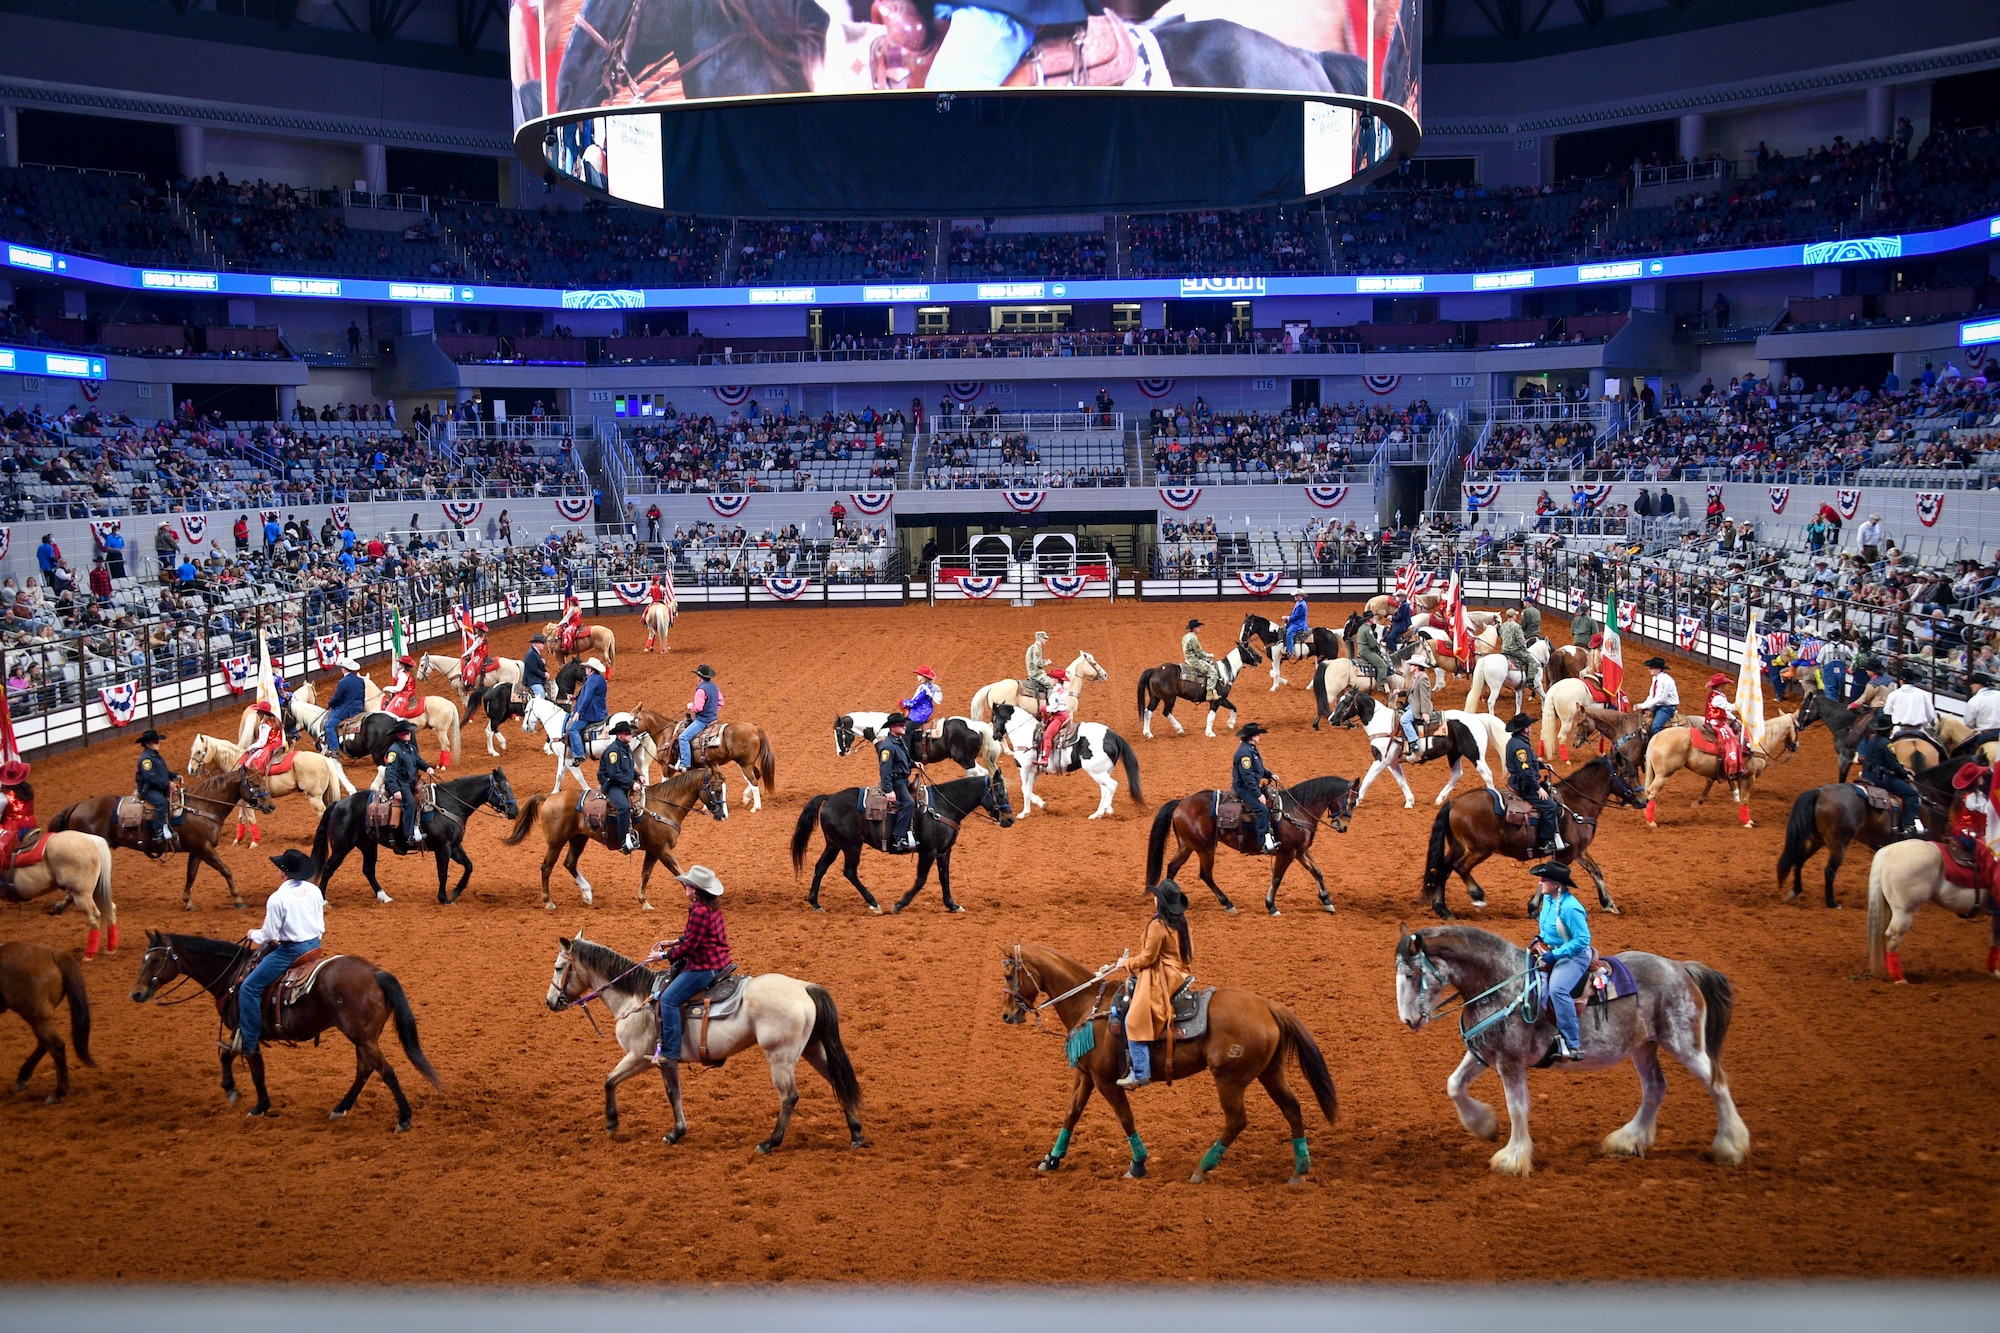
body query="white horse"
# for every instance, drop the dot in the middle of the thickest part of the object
(1098, 751)
(1903, 877)
(552, 720)
(658, 618)
(432, 665)
(784, 1018)
(1384, 728)
(1495, 672)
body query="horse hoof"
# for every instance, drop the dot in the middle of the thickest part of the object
(815, 906)
(1049, 1163)
(675, 1137)
(955, 910)
(873, 910)
(1326, 906)
(764, 1148)
(402, 1127)
(382, 897)
(187, 907)
(1198, 1177)
(1231, 911)
(645, 907)
(1296, 1180)
(1273, 911)
(257, 1112)
(548, 907)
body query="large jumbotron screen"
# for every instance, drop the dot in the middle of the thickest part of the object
(914, 107)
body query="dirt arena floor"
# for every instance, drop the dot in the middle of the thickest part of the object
(1874, 1144)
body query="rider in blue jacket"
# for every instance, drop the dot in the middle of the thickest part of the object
(922, 706)
(1295, 624)
(590, 709)
(350, 699)
(1563, 942)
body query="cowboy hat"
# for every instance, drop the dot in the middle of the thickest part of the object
(1656, 664)
(148, 737)
(1966, 778)
(296, 864)
(538, 638)
(622, 727)
(594, 665)
(1882, 724)
(1251, 730)
(262, 707)
(404, 726)
(705, 671)
(1981, 678)
(896, 720)
(1597, 640)
(926, 673)
(1170, 896)
(347, 664)
(13, 773)
(1057, 673)
(702, 878)
(479, 625)
(1194, 625)
(1556, 872)
(1520, 722)
(406, 660)
(1717, 679)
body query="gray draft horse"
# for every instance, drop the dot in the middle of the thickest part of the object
(1682, 1006)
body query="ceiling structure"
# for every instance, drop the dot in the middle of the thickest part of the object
(1483, 31)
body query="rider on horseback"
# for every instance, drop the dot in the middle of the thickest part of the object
(1195, 660)
(1728, 727)
(1524, 776)
(698, 956)
(283, 688)
(1514, 647)
(1038, 664)
(922, 705)
(1419, 716)
(294, 924)
(401, 763)
(590, 709)
(1531, 620)
(1055, 712)
(570, 628)
(893, 770)
(269, 741)
(1295, 625)
(476, 663)
(1399, 624)
(702, 710)
(17, 809)
(1158, 970)
(616, 776)
(1880, 766)
(153, 785)
(1663, 696)
(1247, 779)
(1971, 807)
(535, 668)
(401, 696)
(1593, 667)
(350, 700)
(1368, 649)
(1562, 947)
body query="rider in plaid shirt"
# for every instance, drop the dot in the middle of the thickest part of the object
(700, 954)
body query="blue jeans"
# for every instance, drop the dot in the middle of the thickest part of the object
(979, 51)
(250, 994)
(573, 738)
(1562, 980)
(1292, 636)
(677, 993)
(538, 692)
(1142, 1059)
(1663, 716)
(1410, 725)
(694, 728)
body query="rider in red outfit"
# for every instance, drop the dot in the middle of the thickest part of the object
(401, 697)
(269, 742)
(570, 628)
(17, 820)
(477, 662)
(1721, 718)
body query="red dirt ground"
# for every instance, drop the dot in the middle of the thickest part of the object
(1870, 1107)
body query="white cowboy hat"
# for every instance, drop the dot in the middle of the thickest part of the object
(348, 664)
(701, 877)
(594, 664)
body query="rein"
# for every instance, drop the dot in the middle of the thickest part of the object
(583, 1001)
(1035, 1011)
(207, 987)
(1462, 1004)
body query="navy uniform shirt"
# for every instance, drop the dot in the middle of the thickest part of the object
(1523, 772)
(1247, 770)
(893, 761)
(404, 763)
(1879, 761)
(153, 775)
(615, 767)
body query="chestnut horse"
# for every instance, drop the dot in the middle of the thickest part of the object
(658, 813)
(34, 982)
(210, 802)
(744, 744)
(1191, 820)
(349, 993)
(1247, 1040)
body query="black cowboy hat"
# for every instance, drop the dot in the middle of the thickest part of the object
(1556, 871)
(149, 737)
(1170, 896)
(1194, 625)
(896, 720)
(1981, 678)
(622, 727)
(1252, 730)
(1520, 722)
(1656, 664)
(1882, 724)
(705, 671)
(538, 638)
(296, 864)
(404, 726)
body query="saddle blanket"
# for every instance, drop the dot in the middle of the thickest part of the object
(1973, 868)
(723, 997)
(1190, 1009)
(403, 708)
(1511, 808)
(29, 853)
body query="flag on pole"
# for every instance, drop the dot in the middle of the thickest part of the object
(10, 751)
(1611, 660)
(1461, 635)
(396, 643)
(1750, 686)
(267, 683)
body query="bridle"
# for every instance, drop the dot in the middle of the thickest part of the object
(1429, 975)
(1017, 964)
(564, 957)
(182, 976)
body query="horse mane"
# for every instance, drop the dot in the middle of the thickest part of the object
(1459, 934)
(671, 786)
(1314, 789)
(204, 785)
(609, 963)
(203, 947)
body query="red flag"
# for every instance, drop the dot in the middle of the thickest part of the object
(1461, 636)
(9, 750)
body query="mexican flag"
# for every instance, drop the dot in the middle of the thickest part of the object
(1750, 686)
(1611, 661)
(397, 646)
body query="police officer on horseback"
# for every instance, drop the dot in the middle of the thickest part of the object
(1247, 780)
(892, 757)
(617, 774)
(1524, 777)
(153, 784)
(401, 765)
(1880, 766)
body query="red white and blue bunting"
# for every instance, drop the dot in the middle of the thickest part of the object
(1930, 507)
(1066, 586)
(1025, 502)
(120, 702)
(1381, 384)
(1260, 582)
(1780, 497)
(1714, 494)
(1576, 601)
(330, 648)
(238, 673)
(632, 592)
(729, 506)
(1180, 498)
(100, 528)
(512, 602)
(786, 589)
(1156, 388)
(872, 503)
(91, 388)
(1847, 504)
(341, 514)
(1628, 616)
(1327, 497)
(6, 541)
(1480, 494)
(1686, 631)
(573, 508)
(979, 586)
(195, 527)
(463, 511)
(963, 392)
(1591, 498)
(732, 395)
(1535, 589)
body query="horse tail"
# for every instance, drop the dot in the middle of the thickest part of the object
(103, 887)
(990, 749)
(767, 762)
(530, 808)
(323, 836)
(1156, 841)
(1878, 917)
(826, 1035)
(802, 834)
(976, 710)
(406, 1025)
(1799, 829)
(1437, 861)
(1145, 688)
(1721, 1003)
(341, 787)
(1474, 690)
(79, 1005)
(1121, 750)
(1312, 1062)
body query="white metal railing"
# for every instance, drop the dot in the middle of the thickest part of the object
(390, 202)
(520, 428)
(1683, 173)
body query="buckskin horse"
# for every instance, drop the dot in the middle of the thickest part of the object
(34, 983)
(782, 1017)
(1162, 686)
(79, 864)
(1675, 748)
(1682, 1006)
(209, 802)
(1838, 814)
(658, 814)
(941, 808)
(344, 827)
(1903, 877)
(1247, 1040)
(744, 744)
(1470, 829)
(1295, 823)
(347, 992)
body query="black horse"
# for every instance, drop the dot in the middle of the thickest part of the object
(1848, 725)
(1319, 640)
(939, 814)
(1456, 743)
(972, 746)
(1838, 814)
(344, 827)
(499, 704)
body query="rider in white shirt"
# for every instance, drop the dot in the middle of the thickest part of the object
(1982, 710)
(1663, 697)
(1909, 708)
(294, 921)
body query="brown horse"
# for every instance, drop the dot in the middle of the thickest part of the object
(1191, 820)
(1836, 815)
(1248, 1039)
(744, 744)
(210, 801)
(349, 993)
(657, 815)
(34, 982)
(595, 641)
(1470, 829)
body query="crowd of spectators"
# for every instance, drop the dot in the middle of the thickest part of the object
(764, 451)
(831, 252)
(1212, 243)
(1314, 443)
(710, 553)
(592, 246)
(977, 253)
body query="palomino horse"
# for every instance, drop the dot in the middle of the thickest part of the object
(1563, 720)
(1097, 750)
(1838, 814)
(320, 779)
(941, 810)
(209, 803)
(744, 744)
(1682, 1006)
(79, 864)
(1472, 828)
(1083, 671)
(1332, 679)
(1903, 877)
(780, 1016)
(34, 982)
(1672, 749)
(1919, 752)
(344, 828)
(971, 745)
(1162, 686)
(1295, 823)
(553, 722)
(1322, 643)
(595, 641)
(508, 673)
(1495, 672)
(657, 816)
(1247, 1041)
(658, 618)
(347, 992)
(439, 716)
